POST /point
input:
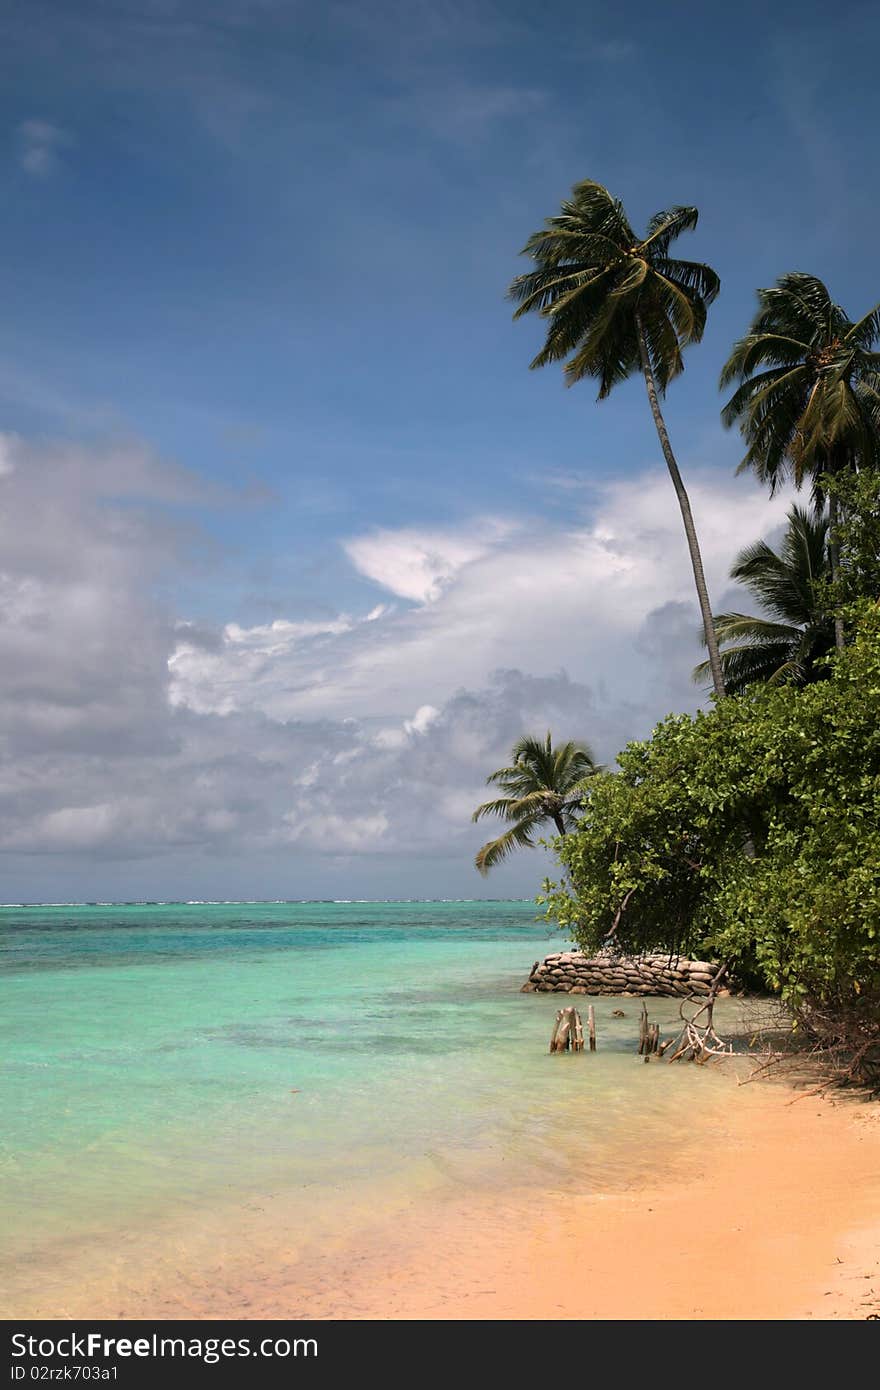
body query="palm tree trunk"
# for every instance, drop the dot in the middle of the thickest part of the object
(834, 557)
(558, 822)
(686, 516)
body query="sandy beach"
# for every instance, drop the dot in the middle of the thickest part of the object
(777, 1216)
(225, 1136)
(773, 1213)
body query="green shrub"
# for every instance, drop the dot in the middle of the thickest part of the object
(750, 832)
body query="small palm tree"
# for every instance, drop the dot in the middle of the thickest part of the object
(787, 644)
(814, 409)
(543, 783)
(617, 304)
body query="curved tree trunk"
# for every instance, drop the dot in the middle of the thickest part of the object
(834, 558)
(686, 516)
(558, 822)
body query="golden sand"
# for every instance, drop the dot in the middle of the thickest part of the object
(768, 1208)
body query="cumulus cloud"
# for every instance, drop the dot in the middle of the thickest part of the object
(413, 793)
(40, 146)
(419, 564)
(130, 731)
(276, 668)
(582, 598)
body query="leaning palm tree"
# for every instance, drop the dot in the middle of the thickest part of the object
(787, 645)
(814, 408)
(617, 304)
(543, 784)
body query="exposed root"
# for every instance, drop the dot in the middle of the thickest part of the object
(838, 1044)
(697, 1040)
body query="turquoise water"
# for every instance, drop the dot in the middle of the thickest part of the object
(163, 1059)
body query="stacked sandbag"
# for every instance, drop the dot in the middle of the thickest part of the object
(571, 972)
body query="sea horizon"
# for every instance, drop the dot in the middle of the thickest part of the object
(240, 902)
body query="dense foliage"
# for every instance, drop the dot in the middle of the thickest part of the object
(856, 498)
(751, 833)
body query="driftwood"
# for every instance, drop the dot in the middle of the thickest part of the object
(568, 1032)
(649, 1036)
(696, 1041)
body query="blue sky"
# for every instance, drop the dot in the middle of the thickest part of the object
(254, 263)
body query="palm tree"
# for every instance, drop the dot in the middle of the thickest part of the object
(787, 644)
(617, 304)
(814, 409)
(542, 784)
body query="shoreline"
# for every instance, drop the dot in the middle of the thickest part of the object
(773, 1214)
(769, 1209)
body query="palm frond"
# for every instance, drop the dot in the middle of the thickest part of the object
(788, 644)
(507, 807)
(866, 332)
(664, 351)
(821, 414)
(799, 306)
(593, 281)
(543, 783)
(537, 290)
(518, 837)
(757, 395)
(700, 279)
(594, 206)
(665, 226)
(756, 349)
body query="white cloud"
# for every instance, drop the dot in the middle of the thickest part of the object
(398, 737)
(274, 667)
(424, 717)
(495, 594)
(419, 564)
(40, 146)
(332, 833)
(128, 734)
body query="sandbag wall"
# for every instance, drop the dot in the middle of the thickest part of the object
(571, 972)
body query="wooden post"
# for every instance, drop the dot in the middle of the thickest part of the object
(591, 1020)
(568, 1031)
(649, 1035)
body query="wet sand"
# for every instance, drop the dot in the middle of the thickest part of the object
(769, 1209)
(775, 1215)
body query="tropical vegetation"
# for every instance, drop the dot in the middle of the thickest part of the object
(791, 642)
(750, 830)
(813, 410)
(617, 303)
(543, 784)
(659, 855)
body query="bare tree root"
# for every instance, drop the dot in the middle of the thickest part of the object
(697, 1040)
(838, 1043)
(845, 1038)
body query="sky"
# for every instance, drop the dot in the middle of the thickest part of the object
(293, 546)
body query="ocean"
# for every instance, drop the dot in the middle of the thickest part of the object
(182, 1078)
